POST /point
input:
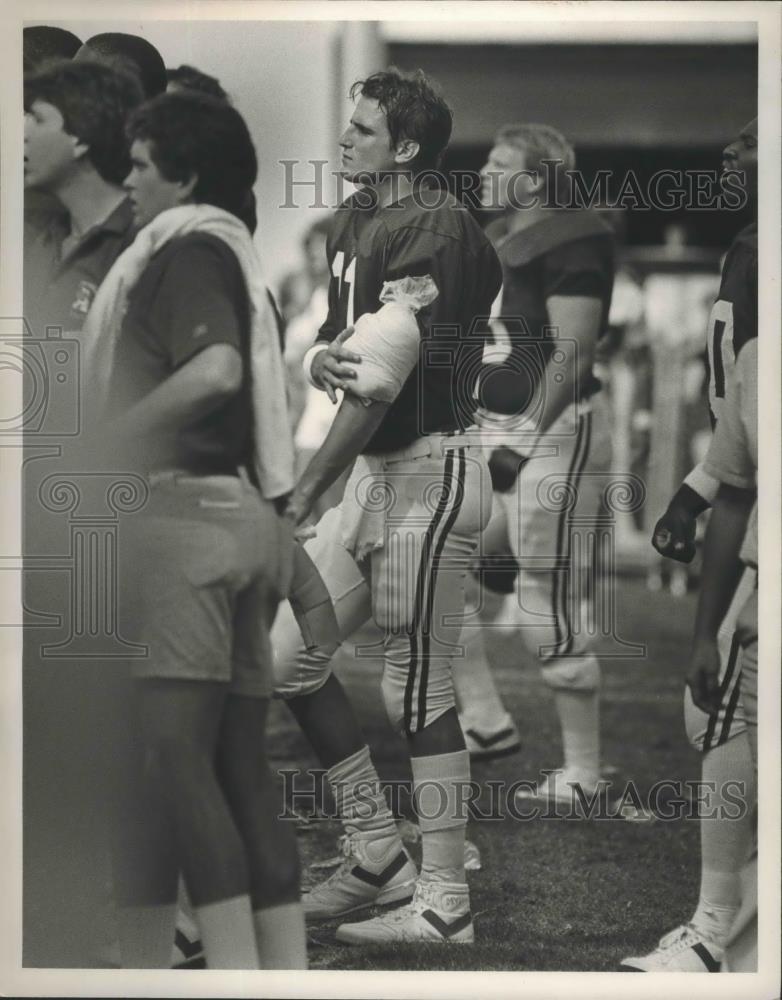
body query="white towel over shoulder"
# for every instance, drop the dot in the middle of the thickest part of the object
(273, 441)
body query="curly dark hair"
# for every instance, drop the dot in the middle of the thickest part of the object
(94, 101)
(43, 41)
(194, 134)
(186, 77)
(129, 52)
(414, 110)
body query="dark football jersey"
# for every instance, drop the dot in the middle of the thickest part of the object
(734, 316)
(567, 253)
(369, 246)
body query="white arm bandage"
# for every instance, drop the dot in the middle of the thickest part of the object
(388, 341)
(704, 485)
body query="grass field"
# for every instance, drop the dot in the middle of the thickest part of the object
(553, 894)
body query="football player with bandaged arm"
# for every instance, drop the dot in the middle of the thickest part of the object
(377, 355)
(404, 420)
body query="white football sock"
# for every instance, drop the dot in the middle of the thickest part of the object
(579, 719)
(439, 784)
(725, 840)
(361, 804)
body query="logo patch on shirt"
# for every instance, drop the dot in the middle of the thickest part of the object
(85, 293)
(201, 330)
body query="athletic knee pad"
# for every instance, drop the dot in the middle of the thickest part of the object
(297, 670)
(311, 605)
(576, 673)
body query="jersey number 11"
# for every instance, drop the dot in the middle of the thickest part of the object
(346, 278)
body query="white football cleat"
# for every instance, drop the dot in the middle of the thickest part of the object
(362, 880)
(683, 950)
(439, 912)
(188, 952)
(560, 786)
(472, 857)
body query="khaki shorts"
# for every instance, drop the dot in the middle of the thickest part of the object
(203, 568)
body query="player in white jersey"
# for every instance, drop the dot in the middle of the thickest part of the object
(716, 724)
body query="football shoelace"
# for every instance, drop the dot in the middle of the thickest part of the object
(422, 900)
(347, 846)
(679, 940)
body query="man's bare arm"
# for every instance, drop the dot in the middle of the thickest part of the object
(193, 391)
(353, 426)
(576, 317)
(720, 575)
(722, 567)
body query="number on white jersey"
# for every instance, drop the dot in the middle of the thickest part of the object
(497, 347)
(346, 277)
(721, 355)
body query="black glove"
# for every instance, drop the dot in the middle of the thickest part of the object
(674, 533)
(505, 466)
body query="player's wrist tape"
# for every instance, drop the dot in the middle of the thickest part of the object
(701, 483)
(309, 357)
(690, 500)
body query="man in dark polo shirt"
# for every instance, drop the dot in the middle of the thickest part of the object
(205, 567)
(75, 149)
(546, 429)
(402, 560)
